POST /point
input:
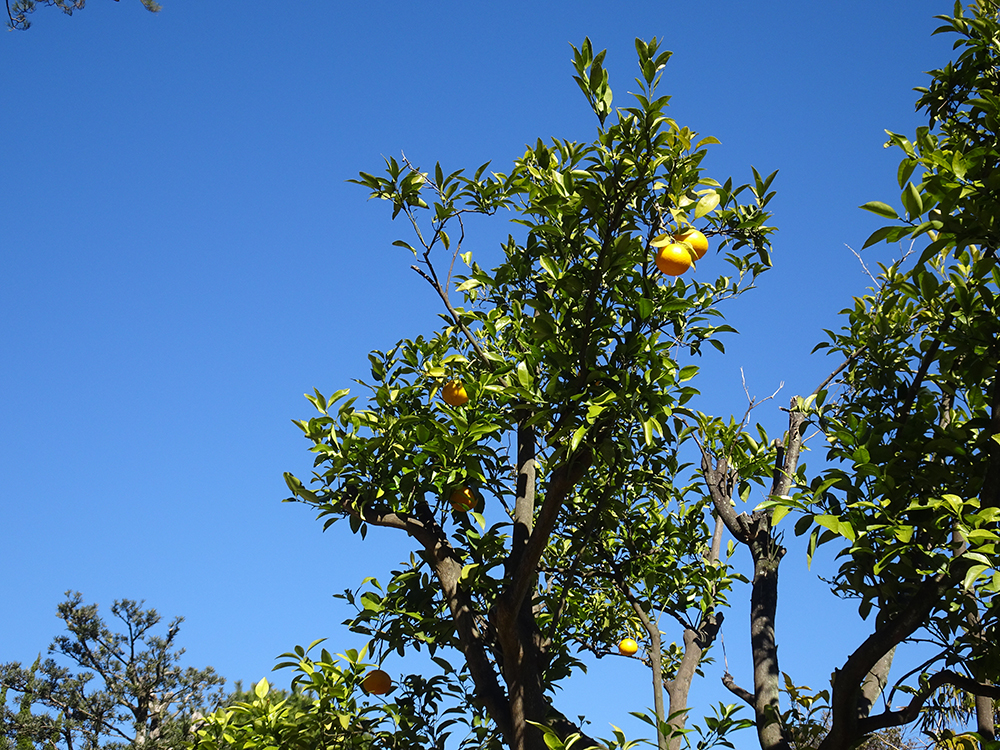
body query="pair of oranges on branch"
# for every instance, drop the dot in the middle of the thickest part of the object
(462, 499)
(676, 253)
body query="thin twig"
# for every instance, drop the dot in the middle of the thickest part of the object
(858, 256)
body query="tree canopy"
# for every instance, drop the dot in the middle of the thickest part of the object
(577, 356)
(121, 688)
(546, 454)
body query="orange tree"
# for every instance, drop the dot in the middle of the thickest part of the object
(576, 354)
(912, 422)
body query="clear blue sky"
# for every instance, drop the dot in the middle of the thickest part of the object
(181, 259)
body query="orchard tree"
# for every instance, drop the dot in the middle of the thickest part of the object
(575, 350)
(912, 422)
(124, 688)
(530, 448)
(17, 14)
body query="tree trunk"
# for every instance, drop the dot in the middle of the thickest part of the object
(695, 644)
(656, 666)
(679, 687)
(985, 719)
(767, 554)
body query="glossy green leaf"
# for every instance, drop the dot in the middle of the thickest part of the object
(882, 209)
(912, 201)
(706, 204)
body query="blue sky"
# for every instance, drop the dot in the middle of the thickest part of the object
(181, 259)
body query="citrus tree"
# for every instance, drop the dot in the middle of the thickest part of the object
(911, 417)
(530, 448)
(327, 707)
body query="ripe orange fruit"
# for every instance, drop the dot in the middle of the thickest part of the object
(674, 259)
(463, 499)
(454, 393)
(697, 241)
(377, 682)
(627, 646)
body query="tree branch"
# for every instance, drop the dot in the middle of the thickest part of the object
(783, 477)
(911, 711)
(454, 316)
(732, 687)
(850, 358)
(564, 479)
(720, 488)
(447, 567)
(849, 678)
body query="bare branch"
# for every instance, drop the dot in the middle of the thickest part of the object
(840, 368)
(858, 256)
(720, 488)
(455, 318)
(783, 478)
(753, 402)
(732, 687)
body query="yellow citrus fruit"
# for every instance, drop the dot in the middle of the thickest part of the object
(697, 241)
(454, 393)
(674, 259)
(377, 682)
(463, 499)
(628, 646)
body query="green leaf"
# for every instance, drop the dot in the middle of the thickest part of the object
(261, 688)
(778, 513)
(882, 209)
(877, 236)
(843, 528)
(906, 167)
(706, 204)
(973, 573)
(523, 376)
(550, 266)
(687, 373)
(912, 202)
(467, 572)
(993, 587)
